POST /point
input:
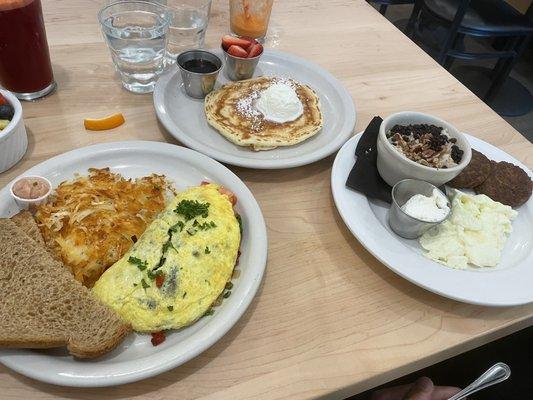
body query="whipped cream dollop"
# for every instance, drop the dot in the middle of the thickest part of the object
(429, 209)
(279, 103)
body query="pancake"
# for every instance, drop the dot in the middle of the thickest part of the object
(231, 112)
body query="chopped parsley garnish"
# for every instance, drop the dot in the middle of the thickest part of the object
(191, 231)
(202, 227)
(192, 208)
(229, 285)
(152, 275)
(144, 284)
(170, 308)
(138, 262)
(135, 284)
(227, 294)
(184, 294)
(207, 251)
(239, 220)
(209, 312)
(174, 228)
(168, 244)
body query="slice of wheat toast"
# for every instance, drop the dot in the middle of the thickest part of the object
(43, 306)
(24, 220)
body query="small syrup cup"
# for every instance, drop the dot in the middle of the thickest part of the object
(198, 84)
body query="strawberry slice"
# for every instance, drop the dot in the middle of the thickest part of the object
(237, 51)
(228, 41)
(249, 47)
(255, 50)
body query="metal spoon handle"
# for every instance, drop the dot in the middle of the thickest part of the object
(495, 374)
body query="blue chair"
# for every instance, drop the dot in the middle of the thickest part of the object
(477, 18)
(383, 4)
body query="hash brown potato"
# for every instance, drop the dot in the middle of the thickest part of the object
(90, 222)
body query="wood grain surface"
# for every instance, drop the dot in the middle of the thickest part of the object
(329, 320)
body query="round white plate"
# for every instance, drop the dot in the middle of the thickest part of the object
(184, 116)
(508, 284)
(136, 358)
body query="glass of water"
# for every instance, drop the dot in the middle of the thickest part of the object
(187, 27)
(136, 34)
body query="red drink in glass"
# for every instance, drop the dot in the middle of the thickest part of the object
(25, 67)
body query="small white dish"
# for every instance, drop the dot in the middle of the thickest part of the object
(136, 358)
(13, 138)
(508, 284)
(394, 167)
(24, 203)
(184, 117)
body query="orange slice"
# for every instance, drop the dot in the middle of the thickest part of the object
(102, 124)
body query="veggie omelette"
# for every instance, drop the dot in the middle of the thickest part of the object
(179, 266)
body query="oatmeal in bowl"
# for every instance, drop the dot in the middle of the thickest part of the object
(426, 144)
(414, 145)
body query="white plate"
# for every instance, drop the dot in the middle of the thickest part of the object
(136, 358)
(508, 284)
(184, 117)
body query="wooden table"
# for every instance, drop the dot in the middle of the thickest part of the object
(329, 320)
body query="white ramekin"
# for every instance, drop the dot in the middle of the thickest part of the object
(13, 138)
(23, 203)
(394, 166)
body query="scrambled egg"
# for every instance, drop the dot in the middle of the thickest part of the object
(475, 233)
(179, 266)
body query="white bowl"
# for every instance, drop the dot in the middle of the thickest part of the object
(13, 138)
(394, 166)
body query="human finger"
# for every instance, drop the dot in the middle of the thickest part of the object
(422, 389)
(444, 392)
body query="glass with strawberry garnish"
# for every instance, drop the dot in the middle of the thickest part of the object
(250, 17)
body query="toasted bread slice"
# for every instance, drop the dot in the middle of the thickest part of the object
(43, 306)
(24, 220)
